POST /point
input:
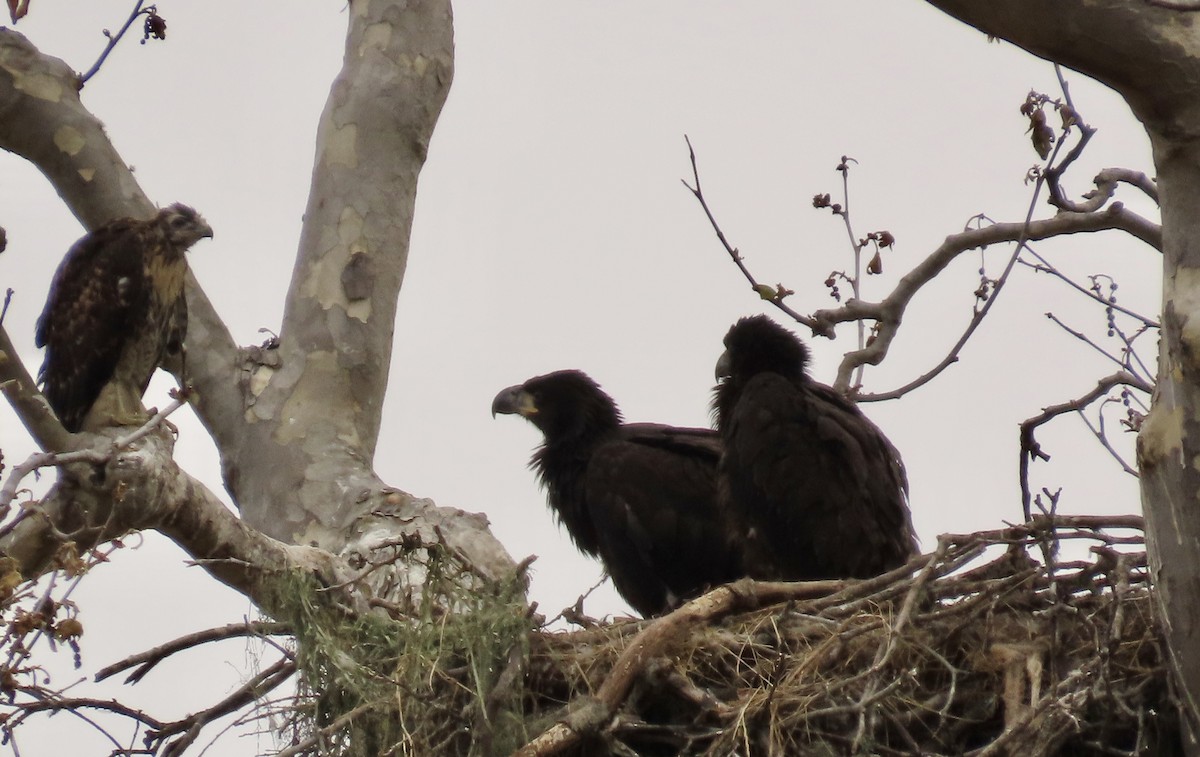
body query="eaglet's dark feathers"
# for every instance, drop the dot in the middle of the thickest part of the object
(115, 308)
(821, 491)
(640, 496)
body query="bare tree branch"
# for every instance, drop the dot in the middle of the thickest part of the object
(44, 702)
(1045, 266)
(145, 661)
(1106, 183)
(889, 311)
(1085, 339)
(1099, 431)
(188, 729)
(155, 493)
(1030, 448)
(114, 39)
(31, 407)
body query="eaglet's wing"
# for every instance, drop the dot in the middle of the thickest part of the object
(97, 296)
(652, 497)
(819, 482)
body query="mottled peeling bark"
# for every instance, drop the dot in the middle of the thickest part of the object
(1169, 443)
(315, 413)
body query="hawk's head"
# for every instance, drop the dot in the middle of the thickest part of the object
(183, 225)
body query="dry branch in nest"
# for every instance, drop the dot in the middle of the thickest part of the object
(1036, 639)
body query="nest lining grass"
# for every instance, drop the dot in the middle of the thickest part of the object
(1010, 642)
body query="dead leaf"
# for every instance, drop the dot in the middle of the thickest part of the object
(876, 264)
(17, 9)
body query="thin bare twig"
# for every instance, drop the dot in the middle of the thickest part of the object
(334, 727)
(736, 256)
(856, 250)
(1045, 266)
(575, 614)
(1132, 355)
(1086, 340)
(188, 729)
(1098, 431)
(47, 702)
(113, 39)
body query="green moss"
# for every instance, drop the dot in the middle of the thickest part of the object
(423, 684)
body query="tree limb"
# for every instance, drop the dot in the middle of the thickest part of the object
(1043, 265)
(1030, 448)
(145, 661)
(141, 487)
(1106, 183)
(31, 407)
(48, 703)
(1131, 44)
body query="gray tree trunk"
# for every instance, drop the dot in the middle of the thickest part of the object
(1151, 56)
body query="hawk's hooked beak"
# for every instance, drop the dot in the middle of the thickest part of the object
(514, 400)
(723, 366)
(202, 228)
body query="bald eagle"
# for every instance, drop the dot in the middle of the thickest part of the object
(820, 489)
(640, 496)
(115, 308)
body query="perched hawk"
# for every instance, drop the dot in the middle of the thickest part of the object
(640, 496)
(820, 490)
(115, 308)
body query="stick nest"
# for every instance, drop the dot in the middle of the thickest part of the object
(1037, 639)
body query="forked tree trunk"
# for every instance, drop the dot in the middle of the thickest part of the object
(296, 423)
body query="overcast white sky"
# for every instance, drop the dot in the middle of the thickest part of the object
(553, 232)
